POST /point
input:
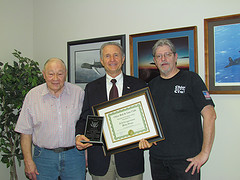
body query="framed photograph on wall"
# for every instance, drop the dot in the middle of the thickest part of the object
(222, 54)
(84, 63)
(141, 59)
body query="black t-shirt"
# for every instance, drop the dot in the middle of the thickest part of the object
(179, 101)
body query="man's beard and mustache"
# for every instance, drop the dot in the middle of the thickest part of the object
(165, 71)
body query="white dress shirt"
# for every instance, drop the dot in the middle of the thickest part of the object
(119, 84)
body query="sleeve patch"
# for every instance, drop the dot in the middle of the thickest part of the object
(206, 95)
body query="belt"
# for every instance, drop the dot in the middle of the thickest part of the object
(61, 149)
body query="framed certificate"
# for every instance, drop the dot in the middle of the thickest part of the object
(127, 120)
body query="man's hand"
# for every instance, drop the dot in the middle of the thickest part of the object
(30, 166)
(31, 169)
(209, 117)
(81, 145)
(144, 144)
(197, 162)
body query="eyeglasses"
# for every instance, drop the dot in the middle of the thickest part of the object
(166, 55)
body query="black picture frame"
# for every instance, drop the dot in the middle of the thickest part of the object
(84, 63)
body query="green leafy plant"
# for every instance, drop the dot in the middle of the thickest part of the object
(15, 82)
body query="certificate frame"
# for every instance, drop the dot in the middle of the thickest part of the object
(222, 55)
(120, 115)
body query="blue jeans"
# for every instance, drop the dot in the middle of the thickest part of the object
(171, 170)
(69, 165)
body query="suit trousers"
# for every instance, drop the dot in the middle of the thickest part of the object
(113, 175)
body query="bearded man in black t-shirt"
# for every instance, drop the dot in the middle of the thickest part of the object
(182, 100)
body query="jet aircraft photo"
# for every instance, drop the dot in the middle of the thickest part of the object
(93, 66)
(233, 62)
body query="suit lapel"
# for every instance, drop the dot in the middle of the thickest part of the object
(101, 88)
(126, 85)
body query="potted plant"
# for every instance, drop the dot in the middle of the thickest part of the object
(15, 82)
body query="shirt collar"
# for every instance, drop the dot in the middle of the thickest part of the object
(45, 90)
(118, 78)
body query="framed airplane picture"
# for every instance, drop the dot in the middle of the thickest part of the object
(222, 54)
(141, 59)
(84, 63)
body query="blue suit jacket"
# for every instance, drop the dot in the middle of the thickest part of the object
(128, 163)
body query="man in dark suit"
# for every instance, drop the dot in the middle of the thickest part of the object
(124, 165)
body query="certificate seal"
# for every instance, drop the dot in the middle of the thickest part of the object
(130, 132)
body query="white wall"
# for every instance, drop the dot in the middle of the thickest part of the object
(16, 32)
(16, 28)
(55, 22)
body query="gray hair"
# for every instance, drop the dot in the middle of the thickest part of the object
(111, 43)
(163, 42)
(53, 59)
